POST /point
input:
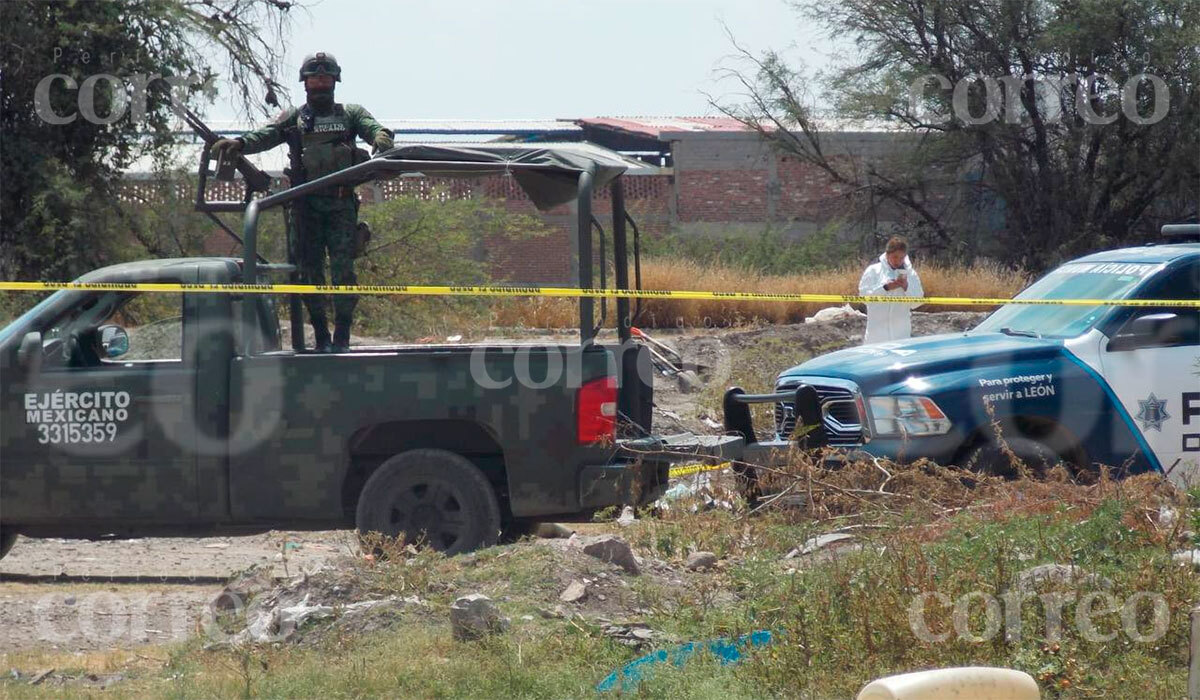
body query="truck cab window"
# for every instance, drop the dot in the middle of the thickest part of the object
(116, 328)
(1184, 283)
(154, 325)
(1184, 328)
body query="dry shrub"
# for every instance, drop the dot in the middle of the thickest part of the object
(874, 486)
(980, 280)
(1144, 496)
(393, 566)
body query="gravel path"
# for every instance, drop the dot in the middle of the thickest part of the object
(77, 595)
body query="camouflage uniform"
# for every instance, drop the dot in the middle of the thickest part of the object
(323, 223)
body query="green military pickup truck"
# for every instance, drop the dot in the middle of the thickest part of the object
(127, 413)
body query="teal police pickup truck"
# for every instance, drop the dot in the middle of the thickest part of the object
(129, 413)
(1080, 385)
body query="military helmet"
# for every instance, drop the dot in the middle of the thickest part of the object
(320, 63)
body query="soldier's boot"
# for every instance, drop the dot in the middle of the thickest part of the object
(321, 334)
(341, 334)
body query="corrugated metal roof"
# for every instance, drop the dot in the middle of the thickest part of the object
(655, 127)
(662, 127)
(186, 156)
(482, 126)
(499, 127)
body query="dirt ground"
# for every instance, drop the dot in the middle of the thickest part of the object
(78, 596)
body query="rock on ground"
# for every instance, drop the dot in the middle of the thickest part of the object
(238, 592)
(612, 549)
(574, 592)
(475, 616)
(1187, 557)
(699, 561)
(632, 634)
(1059, 573)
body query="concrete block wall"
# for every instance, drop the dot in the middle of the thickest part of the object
(737, 178)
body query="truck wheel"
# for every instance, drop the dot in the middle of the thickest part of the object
(989, 457)
(7, 539)
(433, 497)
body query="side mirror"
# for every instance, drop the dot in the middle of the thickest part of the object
(1158, 330)
(29, 353)
(114, 341)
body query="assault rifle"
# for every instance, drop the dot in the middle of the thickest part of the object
(254, 179)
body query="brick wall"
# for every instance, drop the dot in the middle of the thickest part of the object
(735, 182)
(722, 195)
(806, 192)
(543, 259)
(721, 182)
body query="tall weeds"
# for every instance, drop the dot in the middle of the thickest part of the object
(981, 280)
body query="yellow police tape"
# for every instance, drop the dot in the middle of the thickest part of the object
(566, 292)
(689, 469)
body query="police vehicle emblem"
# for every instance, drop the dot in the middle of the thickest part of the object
(1152, 412)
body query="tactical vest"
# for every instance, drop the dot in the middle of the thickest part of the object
(325, 142)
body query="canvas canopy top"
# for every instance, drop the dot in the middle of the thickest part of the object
(549, 174)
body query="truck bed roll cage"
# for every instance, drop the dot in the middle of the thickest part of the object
(549, 175)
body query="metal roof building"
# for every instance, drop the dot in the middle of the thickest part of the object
(406, 130)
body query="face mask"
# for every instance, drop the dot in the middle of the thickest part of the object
(320, 99)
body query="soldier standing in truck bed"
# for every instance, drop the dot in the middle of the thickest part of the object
(320, 135)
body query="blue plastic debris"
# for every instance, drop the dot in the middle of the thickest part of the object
(727, 651)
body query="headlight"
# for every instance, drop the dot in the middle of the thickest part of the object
(907, 415)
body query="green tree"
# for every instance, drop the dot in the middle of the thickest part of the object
(434, 239)
(59, 210)
(1067, 167)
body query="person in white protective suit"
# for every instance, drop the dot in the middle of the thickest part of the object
(892, 276)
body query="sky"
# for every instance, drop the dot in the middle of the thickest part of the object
(509, 59)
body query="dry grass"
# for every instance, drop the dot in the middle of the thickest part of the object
(981, 280)
(395, 317)
(99, 662)
(874, 486)
(842, 617)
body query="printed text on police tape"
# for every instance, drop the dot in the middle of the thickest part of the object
(568, 292)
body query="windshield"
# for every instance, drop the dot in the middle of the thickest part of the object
(1071, 281)
(23, 320)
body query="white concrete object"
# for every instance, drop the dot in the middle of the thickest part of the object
(969, 683)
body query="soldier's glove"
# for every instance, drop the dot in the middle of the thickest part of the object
(227, 148)
(383, 141)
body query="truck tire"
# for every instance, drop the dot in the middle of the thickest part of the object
(7, 539)
(990, 458)
(433, 497)
(1040, 443)
(1041, 450)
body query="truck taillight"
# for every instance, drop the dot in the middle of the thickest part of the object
(596, 411)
